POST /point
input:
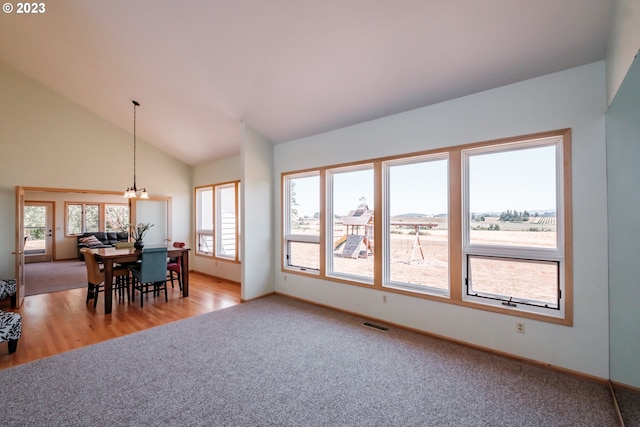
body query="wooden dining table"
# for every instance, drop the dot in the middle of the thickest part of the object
(111, 256)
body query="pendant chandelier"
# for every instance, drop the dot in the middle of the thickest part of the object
(133, 192)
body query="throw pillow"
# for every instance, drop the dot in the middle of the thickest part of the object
(90, 241)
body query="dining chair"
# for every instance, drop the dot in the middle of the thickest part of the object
(151, 274)
(174, 267)
(95, 278)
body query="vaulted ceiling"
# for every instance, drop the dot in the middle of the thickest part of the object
(288, 68)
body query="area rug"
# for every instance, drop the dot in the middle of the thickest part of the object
(280, 362)
(44, 277)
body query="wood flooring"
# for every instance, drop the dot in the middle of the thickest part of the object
(56, 322)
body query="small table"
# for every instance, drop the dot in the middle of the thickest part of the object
(110, 256)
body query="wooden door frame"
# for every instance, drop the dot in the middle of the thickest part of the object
(52, 216)
(19, 247)
(133, 212)
(19, 229)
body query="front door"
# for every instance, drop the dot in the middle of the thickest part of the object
(38, 231)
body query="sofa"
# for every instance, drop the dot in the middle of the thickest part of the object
(100, 239)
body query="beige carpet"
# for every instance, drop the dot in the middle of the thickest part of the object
(280, 362)
(44, 277)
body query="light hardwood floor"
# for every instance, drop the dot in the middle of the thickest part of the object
(61, 321)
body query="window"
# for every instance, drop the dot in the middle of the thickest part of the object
(88, 217)
(218, 205)
(116, 217)
(416, 224)
(226, 221)
(484, 225)
(204, 220)
(512, 224)
(350, 215)
(74, 220)
(302, 222)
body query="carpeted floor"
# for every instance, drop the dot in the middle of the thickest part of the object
(629, 402)
(278, 361)
(43, 277)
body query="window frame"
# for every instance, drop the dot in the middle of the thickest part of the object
(387, 282)
(329, 255)
(220, 222)
(288, 236)
(215, 234)
(102, 225)
(456, 205)
(516, 253)
(202, 232)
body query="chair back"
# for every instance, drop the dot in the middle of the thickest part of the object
(153, 267)
(122, 245)
(94, 276)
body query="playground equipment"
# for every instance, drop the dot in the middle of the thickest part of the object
(357, 240)
(358, 233)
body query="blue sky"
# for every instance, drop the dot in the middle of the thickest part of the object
(516, 180)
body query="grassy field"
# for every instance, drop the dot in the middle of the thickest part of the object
(422, 259)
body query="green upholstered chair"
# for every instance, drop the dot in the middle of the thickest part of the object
(151, 274)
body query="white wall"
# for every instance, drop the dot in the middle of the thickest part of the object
(624, 42)
(217, 172)
(257, 215)
(623, 175)
(47, 140)
(574, 98)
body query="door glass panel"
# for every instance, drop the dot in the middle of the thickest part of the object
(35, 223)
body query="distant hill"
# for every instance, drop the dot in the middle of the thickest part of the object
(533, 212)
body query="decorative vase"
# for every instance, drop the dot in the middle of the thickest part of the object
(138, 244)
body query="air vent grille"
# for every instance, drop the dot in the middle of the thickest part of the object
(374, 326)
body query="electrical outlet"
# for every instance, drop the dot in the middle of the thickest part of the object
(384, 299)
(520, 327)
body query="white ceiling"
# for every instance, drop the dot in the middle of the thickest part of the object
(288, 68)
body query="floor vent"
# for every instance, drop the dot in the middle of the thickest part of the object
(374, 326)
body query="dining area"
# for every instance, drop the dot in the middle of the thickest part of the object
(130, 272)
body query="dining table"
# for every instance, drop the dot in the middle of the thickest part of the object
(111, 256)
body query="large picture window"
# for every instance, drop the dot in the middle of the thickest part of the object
(485, 225)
